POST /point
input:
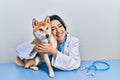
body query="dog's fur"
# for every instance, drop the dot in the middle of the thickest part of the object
(42, 33)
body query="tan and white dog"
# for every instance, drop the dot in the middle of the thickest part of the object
(43, 34)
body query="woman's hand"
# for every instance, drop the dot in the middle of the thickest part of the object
(46, 48)
(43, 47)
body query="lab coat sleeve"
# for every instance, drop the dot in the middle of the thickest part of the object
(69, 60)
(24, 50)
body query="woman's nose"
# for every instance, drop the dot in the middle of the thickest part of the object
(57, 29)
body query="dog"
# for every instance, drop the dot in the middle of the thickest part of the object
(42, 33)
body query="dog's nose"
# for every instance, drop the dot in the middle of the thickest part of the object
(47, 35)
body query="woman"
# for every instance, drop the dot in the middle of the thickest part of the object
(66, 56)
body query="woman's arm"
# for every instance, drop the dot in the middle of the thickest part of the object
(69, 59)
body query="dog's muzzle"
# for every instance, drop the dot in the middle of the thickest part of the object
(47, 36)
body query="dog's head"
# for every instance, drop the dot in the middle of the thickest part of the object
(41, 29)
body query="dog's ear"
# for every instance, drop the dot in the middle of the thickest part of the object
(47, 19)
(34, 22)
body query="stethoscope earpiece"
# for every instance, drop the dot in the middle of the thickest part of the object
(90, 74)
(82, 68)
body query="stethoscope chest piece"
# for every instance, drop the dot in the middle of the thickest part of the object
(91, 70)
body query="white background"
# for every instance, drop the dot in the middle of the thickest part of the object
(95, 22)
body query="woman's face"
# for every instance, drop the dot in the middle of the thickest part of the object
(58, 30)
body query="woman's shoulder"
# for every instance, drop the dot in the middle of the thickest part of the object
(72, 38)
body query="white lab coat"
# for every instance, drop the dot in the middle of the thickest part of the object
(67, 59)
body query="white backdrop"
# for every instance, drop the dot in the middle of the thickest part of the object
(95, 22)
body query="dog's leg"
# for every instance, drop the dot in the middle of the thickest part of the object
(37, 60)
(47, 61)
(31, 64)
(19, 62)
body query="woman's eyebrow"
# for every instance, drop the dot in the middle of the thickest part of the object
(59, 24)
(53, 27)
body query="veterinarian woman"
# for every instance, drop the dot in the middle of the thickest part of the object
(66, 56)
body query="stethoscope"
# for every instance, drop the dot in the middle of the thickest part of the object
(91, 70)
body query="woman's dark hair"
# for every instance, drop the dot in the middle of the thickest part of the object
(56, 17)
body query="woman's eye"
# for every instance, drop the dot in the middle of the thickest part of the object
(52, 29)
(60, 26)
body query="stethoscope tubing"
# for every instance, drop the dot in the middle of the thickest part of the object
(95, 67)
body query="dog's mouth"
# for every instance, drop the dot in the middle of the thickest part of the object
(42, 37)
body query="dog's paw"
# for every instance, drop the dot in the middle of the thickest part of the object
(51, 74)
(34, 68)
(26, 66)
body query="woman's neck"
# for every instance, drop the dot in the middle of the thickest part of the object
(59, 42)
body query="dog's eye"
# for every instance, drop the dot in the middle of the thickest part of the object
(41, 29)
(47, 28)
